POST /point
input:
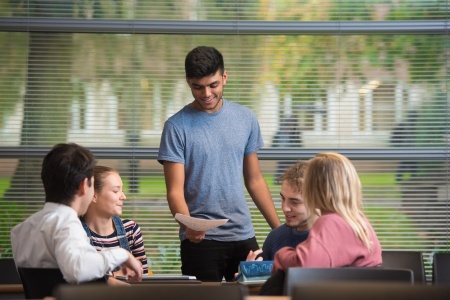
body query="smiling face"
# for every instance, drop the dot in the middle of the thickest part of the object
(294, 208)
(208, 91)
(109, 200)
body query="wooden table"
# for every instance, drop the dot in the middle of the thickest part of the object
(11, 291)
(18, 288)
(252, 289)
(11, 288)
(268, 298)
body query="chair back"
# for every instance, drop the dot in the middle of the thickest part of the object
(314, 275)
(369, 291)
(8, 272)
(407, 260)
(441, 268)
(214, 291)
(40, 282)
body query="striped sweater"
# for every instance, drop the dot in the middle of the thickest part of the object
(135, 240)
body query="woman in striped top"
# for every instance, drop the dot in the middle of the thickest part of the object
(102, 224)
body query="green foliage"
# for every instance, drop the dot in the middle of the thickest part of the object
(149, 185)
(413, 10)
(302, 62)
(347, 10)
(39, 8)
(377, 179)
(433, 121)
(442, 248)
(385, 219)
(228, 9)
(12, 214)
(10, 90)
(168, 260)
(4, 184)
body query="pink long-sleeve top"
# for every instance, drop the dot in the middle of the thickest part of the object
(331, 243)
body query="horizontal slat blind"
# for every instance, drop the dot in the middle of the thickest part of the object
(380, 98)
(267, 10)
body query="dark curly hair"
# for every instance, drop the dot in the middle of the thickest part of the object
(203, 61)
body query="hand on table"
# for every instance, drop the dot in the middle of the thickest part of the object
(253, 255)
(132, 268)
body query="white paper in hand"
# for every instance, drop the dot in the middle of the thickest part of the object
(199, 224)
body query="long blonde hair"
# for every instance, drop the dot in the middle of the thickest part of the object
(332, 185)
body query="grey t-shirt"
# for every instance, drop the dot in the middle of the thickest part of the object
(212, 148)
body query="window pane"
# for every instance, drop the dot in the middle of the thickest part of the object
(246, 10)
(380, 99)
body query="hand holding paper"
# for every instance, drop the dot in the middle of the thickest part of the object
(195, 236)
(199, 224)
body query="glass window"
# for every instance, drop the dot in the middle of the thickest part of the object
(366, 78)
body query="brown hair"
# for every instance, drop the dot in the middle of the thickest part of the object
(100, 172)
(294, 176)
(63, 169)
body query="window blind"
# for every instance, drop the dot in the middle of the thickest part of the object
(364, 78)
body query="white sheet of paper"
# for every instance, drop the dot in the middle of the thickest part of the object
(199, 224)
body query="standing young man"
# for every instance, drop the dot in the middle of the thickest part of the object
(206, 148)
(54, 236)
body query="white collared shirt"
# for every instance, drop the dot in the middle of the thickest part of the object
(55, 238)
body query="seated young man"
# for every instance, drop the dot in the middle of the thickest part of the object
(54, 236)
(298, 220)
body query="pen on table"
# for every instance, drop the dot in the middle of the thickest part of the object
(237, 277)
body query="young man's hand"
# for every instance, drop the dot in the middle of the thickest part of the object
(132, 268)
(195, 236)
(116, 282)
(253, 255)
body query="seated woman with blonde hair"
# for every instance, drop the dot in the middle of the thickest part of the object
(341, 236)
(102, 223)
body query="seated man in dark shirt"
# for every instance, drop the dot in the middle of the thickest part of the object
(297, 219)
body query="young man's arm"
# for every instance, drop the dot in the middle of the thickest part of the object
(80, 262)
(134, 265)
(259, 191)
(174, 175)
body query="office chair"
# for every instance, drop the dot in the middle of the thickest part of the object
(152, 291)
(8, 272)
(313, 275)
(10, 276)
(40, 282)
(368, 291)
(412, 260)
(441, 268)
